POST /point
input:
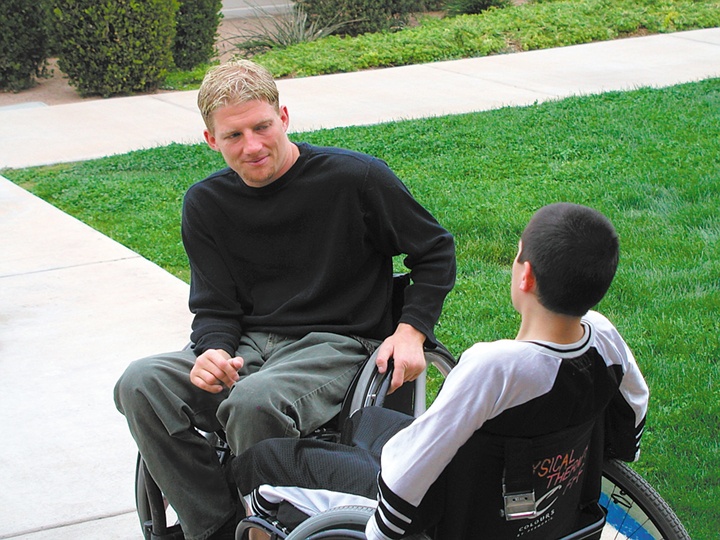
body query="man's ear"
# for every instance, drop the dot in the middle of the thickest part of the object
(210, 140)
(284, 117)
(527, 277)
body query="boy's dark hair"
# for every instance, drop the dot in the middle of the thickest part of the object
(573, 251)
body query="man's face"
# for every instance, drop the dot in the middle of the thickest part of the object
(252, 139)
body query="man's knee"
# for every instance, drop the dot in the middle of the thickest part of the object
(255, 412)
(133, 383)
(149, 377)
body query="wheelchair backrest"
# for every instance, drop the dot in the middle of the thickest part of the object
(539, 488)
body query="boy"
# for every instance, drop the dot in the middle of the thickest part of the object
(566, 367)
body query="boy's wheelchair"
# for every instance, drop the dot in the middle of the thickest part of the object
(634, 511)
(629, 507)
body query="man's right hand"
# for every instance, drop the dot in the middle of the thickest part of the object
(214, 369)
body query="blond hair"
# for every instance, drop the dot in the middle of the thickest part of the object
(233, 83)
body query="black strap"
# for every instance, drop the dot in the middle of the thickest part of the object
(518, 466)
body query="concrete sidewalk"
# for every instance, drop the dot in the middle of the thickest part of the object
(238, 9)
(76, 307)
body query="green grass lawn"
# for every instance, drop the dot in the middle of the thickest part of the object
(649, 159)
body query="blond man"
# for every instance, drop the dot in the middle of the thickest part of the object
(290, 250)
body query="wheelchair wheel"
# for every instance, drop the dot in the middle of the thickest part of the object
(141, 497)
(370, 387)
(152, 507)
(440, 362)
(635, 509)
(339, 523)
(342, 523)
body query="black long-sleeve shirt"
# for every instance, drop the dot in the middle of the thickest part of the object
(311, 251)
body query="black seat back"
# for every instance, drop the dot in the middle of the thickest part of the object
(541, 488)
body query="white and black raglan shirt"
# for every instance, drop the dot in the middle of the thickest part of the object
(517, 389)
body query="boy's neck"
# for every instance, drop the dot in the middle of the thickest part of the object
(544, 325)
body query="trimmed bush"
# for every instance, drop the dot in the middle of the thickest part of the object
(114, 47)
(196, 28)
(360, 16)
(472, 7)
(23, 43)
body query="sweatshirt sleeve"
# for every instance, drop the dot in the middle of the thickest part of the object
(626, 413)
(213, 299)
(400, 225)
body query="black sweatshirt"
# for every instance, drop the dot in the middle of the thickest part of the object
(311, 251)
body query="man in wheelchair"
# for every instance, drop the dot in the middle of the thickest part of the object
(512, 447)
(290, 252)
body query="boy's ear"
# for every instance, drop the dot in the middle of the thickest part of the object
(527, 277)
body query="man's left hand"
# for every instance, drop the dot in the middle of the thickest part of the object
(405, 347)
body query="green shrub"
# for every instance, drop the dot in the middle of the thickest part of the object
(433, 5)
(472, 7)
(112, 47)
(23, 43)
(195, 31)
(360, 16)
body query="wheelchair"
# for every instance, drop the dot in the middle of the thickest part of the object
(628, 508)
(634, 511)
